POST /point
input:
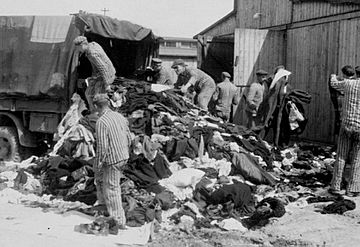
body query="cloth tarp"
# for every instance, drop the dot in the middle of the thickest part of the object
(112, 28)
(50, 29)
(22, 59)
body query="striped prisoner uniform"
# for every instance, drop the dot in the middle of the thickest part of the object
(349, 136)
(103, 71)
(113, 140)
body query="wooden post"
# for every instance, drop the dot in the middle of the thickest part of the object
(105, 10)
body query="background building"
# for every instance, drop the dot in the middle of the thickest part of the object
(173, 48)
(311, 38)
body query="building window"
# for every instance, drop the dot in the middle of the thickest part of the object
(185, 44)
(170, 43)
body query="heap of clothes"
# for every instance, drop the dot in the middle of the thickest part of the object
(181, 158)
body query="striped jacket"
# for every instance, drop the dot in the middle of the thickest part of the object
(102, 67)
(351, 104)
(112, 138)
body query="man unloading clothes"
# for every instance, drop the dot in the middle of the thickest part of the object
(162, 75)
(225, 96)
(255, 97)
(202, 83)
(349, 136)
(112, 152)
(103, 71)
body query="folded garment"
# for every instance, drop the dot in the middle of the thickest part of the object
(266, 209)
(246, 166)
(339, 207)
(184, 178)
(101, 226)
(182, 147)
(239, 193)
(139, 216)
(146, 175)
(324, 199)
(166, 200)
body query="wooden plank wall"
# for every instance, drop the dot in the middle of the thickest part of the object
(245, 12)
(273, 51)
(310, 10)
(349, 52)
(258, 49)
(275, 12)
(279, 12)
(312, 52)
(312, 55)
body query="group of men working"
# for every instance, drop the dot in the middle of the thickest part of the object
(113, 137)
(195, 82)
(225, 94)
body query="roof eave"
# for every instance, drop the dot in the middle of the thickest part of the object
(226, 17)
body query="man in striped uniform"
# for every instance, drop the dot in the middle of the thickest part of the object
(349, 136)
(112, 141)
(103, 71)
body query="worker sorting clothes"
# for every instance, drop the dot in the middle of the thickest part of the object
(225, 96)
(161, 75)
(103, 71)
(255, 97)
(193, 79)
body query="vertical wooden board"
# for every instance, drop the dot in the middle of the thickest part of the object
(236, 56)
(249, 43)
(357, 37)
(200, 53)
(305, 75)
(348, 42)
(332, 61)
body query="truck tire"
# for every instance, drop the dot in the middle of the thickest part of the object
(9, 144)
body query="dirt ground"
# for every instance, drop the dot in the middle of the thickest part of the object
(302, 225)
(298, 227)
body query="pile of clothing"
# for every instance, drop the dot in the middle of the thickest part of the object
(181, 159)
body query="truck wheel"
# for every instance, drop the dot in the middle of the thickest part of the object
(9, 144)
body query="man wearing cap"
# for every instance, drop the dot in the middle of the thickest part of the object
(255, 97)
(103, 71)
(113, 140)
(225, 96)
(162, 75)
(202, 83)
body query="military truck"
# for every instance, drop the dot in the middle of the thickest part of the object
(40, 69)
